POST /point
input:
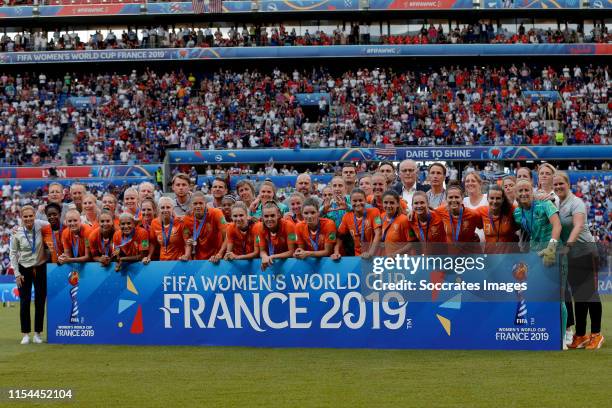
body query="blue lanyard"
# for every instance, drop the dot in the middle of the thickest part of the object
(527, 227)
(32, 243)
(166, 238)
(384, 235)
(126, 240)
(424, 235)
(455, 235)
(270, 245)
(501, 216)
(105, 248)
(75, 248)
(198, 230)
(315, 243)
(363, 222)
(137, 213)
(55, 246)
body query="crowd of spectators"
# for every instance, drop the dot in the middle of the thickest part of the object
(137, 116)
(246, 36)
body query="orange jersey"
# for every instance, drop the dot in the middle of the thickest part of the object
(243, 243)
(139, 242)
(316, 241)
(53, 241)
(469, 220)
(378, 203)
(396, 229)
(91, 224)
(210, 238)
(99, 246)
(275, 242)
(174, 248)
(71, 241)
(496, 228)
(361, 227)
(431, 231)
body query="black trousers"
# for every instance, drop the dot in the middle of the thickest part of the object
(36, 275)
(582, 279)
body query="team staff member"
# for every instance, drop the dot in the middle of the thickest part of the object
(406, 187)
(73, 239)
(28, 259)
(99, 243)
(427, 226)
(379, 186)
(316, 237)
(246, 192)
(275, 236)
(498, 221)
(460, 222)
(218, 190)
(396, 232)
(240, 235)
(131, 243)
(130, 202)
(181, 186)
(349, 175)
(388, 170)
(54, 195)
(166, 234)
(52, 233)
(204, 231)
(90, 211)
(362, 225)
(436, 175)
(582, 265)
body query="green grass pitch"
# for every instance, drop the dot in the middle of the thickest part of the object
(129, 376)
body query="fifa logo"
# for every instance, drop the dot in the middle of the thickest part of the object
(519, 272)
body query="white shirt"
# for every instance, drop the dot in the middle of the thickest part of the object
(407, 195)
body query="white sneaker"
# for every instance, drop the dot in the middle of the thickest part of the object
(569, 337)
(26, 339)
(37, 339)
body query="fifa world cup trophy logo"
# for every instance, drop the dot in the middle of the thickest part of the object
(73, 279)
(519, 271)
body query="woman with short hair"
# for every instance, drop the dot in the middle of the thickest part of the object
(28, 259)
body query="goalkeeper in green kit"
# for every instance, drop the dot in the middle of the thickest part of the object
(540, 229)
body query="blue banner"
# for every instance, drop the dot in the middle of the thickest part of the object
(464, 153)
(311, 99)
(531, 4)
(600, 4)
(430, 50)
(544, 95)
(81, 102)
(296, 303)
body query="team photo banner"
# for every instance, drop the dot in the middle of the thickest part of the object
(308, 303)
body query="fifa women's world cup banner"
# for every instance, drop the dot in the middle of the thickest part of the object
(494, 301)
